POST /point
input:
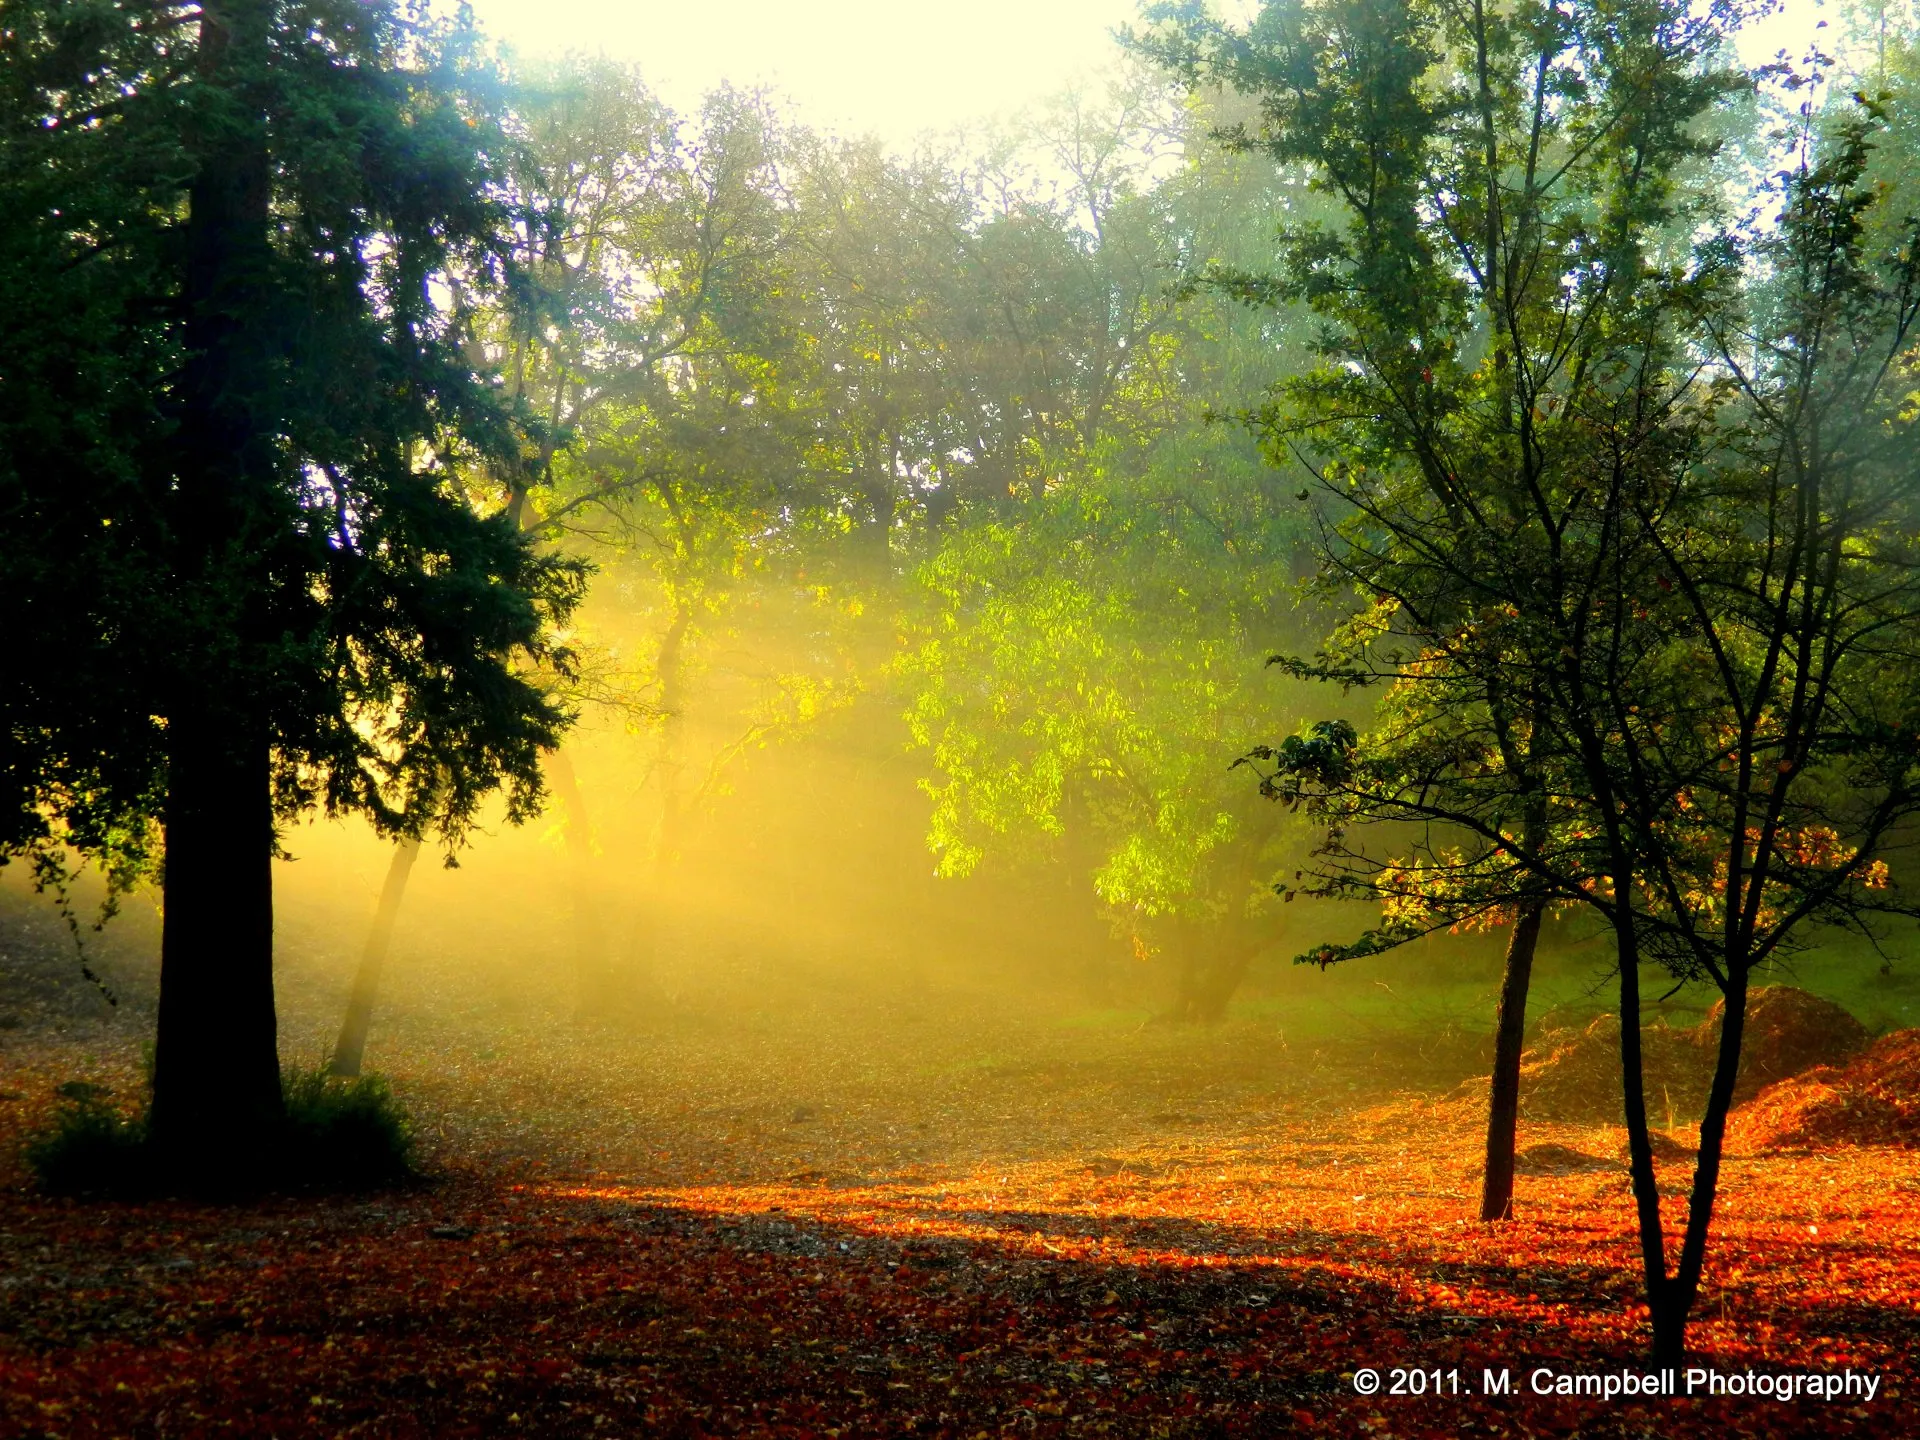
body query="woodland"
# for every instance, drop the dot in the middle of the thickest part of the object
(675, 774)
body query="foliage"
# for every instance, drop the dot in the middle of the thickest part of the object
(336, 1135)
(1640, 595)
(1090, 662)
(1212, 1275)
(1486, 331)
(82, 279)
(775, 359)
(392, 602)
(241, 424)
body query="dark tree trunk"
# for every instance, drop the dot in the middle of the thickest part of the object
(216, 1069)
(1685, 1287)
(1509, 1039)
(351, 1047)
(1665, 1308)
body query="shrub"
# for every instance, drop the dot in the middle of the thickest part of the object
(334, 1134)
(343, 1134)
(90, 1148)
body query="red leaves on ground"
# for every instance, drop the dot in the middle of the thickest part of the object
(1189, 1288)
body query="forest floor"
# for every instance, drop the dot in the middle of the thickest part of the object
(893, 1216)
(748, 1256)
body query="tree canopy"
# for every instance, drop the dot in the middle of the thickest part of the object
(1636, 593)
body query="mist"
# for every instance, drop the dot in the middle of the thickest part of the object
(1168, 720)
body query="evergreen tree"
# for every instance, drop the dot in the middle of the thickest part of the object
(271, 556)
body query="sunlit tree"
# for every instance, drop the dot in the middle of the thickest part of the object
(1092, 659)
(306, 607)
(1631, 518)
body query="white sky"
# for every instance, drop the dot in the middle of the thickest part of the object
(892, 68)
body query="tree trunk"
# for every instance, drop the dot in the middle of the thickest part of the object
(1706, 1170)
(216, 1071)
(593, 992)
(1212, 967)
(1510, 1034)
(646, 922)
(1088, 934)
(670, 766)
(216, 1082)
(1666, 1310)
(352, 1044)
(877, 488)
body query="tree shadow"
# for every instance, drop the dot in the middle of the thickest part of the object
(549, 1310)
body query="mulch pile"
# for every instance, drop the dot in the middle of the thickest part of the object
(1574, 1075)
(1875, 1100)
(1788, 1032)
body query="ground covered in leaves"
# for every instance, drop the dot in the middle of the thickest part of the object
(912, 1214)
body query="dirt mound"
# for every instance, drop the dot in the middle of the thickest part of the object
(1788, 1032)
(1574, 1075)
(1875, 1100)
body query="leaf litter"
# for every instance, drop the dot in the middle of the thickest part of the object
(792, 1231)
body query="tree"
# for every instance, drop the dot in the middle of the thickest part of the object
(324, 618)
(1090, 659)
(350, 1049)
(1585, 463)
(87, 176)
(1465, 316)
(657, 351)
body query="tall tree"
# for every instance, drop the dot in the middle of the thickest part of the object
(647, 345)
(1091, 653)
(1476, 306)
(1601, 442)
(327, 620)
(90, 159)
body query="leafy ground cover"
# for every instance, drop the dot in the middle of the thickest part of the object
(926, 1246)
(818, 1200)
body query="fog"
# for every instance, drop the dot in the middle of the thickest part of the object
(786, 987)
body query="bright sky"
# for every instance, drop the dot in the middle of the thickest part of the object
(893, 68)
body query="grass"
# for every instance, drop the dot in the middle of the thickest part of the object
(90, 1148)
(333, 1135)
(1432, 991)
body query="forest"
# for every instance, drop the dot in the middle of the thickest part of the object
(1238, 754)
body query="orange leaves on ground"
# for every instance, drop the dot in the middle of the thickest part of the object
(1213, 1286)
(1873, 1100)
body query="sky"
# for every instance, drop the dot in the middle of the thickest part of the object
(892, 68)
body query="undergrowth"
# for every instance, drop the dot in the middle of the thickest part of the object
(333, 1134)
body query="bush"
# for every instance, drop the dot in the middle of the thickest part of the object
(335, 1134)
(343, 1134)
(90, 1148)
